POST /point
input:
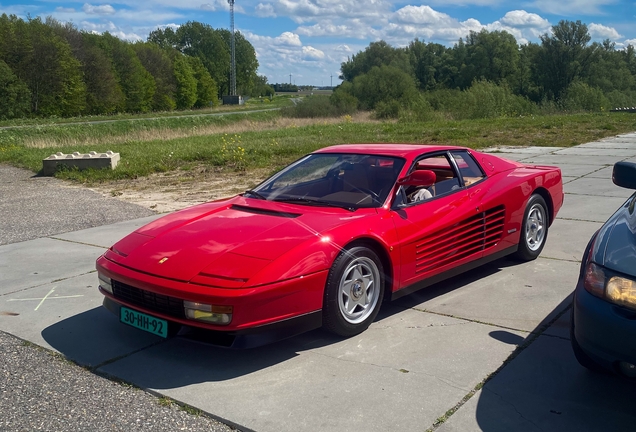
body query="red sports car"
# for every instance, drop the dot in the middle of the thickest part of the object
(326, 240)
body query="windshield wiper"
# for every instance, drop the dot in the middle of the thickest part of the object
(305, 200)
(254, 193)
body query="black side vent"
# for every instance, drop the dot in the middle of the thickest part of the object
(264, 211)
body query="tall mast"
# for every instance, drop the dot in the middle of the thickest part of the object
(233, 51)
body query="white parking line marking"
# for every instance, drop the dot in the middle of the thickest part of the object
(42, 299)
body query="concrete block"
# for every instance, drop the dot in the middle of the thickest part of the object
(80, 161)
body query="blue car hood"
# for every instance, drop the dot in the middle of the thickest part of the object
(615, 245)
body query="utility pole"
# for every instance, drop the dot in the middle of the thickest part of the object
(332, 81)
(290, 79)
(233, 51)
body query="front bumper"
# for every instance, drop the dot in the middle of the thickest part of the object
(269, 312)
(605, 332)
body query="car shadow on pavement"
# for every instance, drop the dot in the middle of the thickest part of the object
(97, 340)
(544, 388)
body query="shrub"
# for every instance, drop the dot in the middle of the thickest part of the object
(387, 109)
(311, 107)
(483, 99)
(384, 84)
(344, 102)
(581, 97)
(624, 99)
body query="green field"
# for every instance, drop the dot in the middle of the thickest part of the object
(264, 140)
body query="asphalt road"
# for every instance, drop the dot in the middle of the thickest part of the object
(40, 390)
(33, 207)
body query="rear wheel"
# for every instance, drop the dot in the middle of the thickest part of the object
(354, 292)
(534, 229)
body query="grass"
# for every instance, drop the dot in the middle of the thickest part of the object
(267, 141)
(250, 105)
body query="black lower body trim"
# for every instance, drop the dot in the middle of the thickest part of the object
(240, 339)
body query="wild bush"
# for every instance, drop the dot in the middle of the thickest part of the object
(581, 97)
(311, 107)
(621, 99)
(384, 84)
(483, 99)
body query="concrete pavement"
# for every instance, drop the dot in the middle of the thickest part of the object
(425, 354)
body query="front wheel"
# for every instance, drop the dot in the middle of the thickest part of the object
(534, 229)
(354, 292)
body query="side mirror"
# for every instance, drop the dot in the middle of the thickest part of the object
(423, 178)
(624, 175)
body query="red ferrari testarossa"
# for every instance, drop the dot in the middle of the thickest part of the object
(326, 240)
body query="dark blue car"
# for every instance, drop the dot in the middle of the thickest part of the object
(603, 330)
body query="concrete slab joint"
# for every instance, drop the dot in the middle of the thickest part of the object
(108, 160)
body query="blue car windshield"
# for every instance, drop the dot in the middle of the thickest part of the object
(333, 179)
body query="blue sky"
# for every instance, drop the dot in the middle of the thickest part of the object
(309, 39)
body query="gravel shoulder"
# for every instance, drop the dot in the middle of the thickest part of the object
(33, 207)
(40, 391)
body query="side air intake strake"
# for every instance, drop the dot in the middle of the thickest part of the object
(473, 235)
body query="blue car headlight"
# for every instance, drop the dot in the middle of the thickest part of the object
(610, 286)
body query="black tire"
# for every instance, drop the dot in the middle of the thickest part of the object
(354, 292)
(583, 359)
(534, 229)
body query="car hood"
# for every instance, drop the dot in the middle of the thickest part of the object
(226, 242)
(615, 247)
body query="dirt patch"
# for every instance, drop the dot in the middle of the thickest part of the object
(176, 190)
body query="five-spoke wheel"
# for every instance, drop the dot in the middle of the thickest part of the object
(534, 229)
(354, 291)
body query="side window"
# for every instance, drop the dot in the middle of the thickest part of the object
(445, 179)
(468, 168)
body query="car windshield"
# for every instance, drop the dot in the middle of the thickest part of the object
(326, 179)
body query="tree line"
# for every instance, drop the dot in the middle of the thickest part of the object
(48, 68)
(564, 71)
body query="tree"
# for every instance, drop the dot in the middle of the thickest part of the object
(14, 94)
(564, 57)
(427, 61)
(246, 62)
(159, 64)
(207, 90)
(261, 88)
(136, 82)
(199, 40)
(491, 56)
(186, 83)
(52, 73)
(375, 55)
(384, 84)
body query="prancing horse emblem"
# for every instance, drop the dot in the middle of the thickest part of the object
(163, 260)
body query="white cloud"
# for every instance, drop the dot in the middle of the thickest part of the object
(311, 53)
(265, 10)
(631, 42)
(98, 10)
(599, 31)
(64, 10)
(422, 15)
(288, 38)
(523, 19)
(220, 5)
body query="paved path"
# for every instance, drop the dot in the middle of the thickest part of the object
(425, 354)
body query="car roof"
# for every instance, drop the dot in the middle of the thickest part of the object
(387, 149)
